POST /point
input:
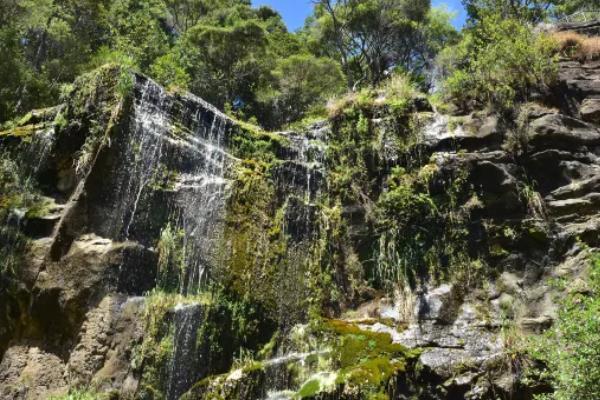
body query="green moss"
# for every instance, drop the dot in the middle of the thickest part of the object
(171, 258)
(25, 120)
(24, 133)
(356, 344)
(365, 360)
(309, 389)
(253, 245)
(40, 208)
(60, 121)
(153, 355)
(163, 179)
(496, 250)
(81, 394)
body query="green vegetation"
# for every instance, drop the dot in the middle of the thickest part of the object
(370, 37)
(18, 197)
(241, 59)
(228, 328)
(80, 394)
(389, 216)
(365, 360)
(171, 258)
(570, 348)
(497, 63)
(524, 10)
(575, 45)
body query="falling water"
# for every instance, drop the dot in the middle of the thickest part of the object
(187, 320)
(40, 148)
(201, 199)
(278, 380)
(197, 150)
(146, 147)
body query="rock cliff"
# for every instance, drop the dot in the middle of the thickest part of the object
(155, 248)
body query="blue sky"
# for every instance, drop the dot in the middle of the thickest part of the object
(295, 11)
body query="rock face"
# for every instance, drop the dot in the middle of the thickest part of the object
(155, 248)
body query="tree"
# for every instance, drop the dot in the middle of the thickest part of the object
(369, 37)
(568, 7)
(525, 10)
(45, 43)
(138, 28)
(225, 62)
(302, 84)
(184, 14)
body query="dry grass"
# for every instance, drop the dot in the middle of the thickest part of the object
(396, 92)
(336, 106)
(578, 46)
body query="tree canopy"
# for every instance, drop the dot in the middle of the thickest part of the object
(240, 58)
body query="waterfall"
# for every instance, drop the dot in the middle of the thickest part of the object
(39, 149)
(201, 200)
(279, 383)
(146, 146)
(186, 143)
(182, 371)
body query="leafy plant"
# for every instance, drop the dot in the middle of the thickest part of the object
(498, 62)
(79, 394)
(570, 348)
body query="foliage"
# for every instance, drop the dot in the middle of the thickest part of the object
(423, 232)
(302, 85)
(18, 197)
(397, 92)
(365, 360)
(224, 61)
(171, 258)
(370, 37)
(167, 70)
(241, 59)
(570, 348)
(228, 329)
(498, 62)
(523, 10)
(80, 394)
(570, 7)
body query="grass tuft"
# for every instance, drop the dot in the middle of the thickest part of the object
(575, 45)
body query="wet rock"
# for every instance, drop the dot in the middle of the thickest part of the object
(535, 325)
(40, 224)
(471, 133)
(497, 187)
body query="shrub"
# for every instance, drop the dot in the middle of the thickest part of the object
(79, 395)
(575, 45)
(396, 92)
(498, 62)
(570, 349)
(302, 84)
